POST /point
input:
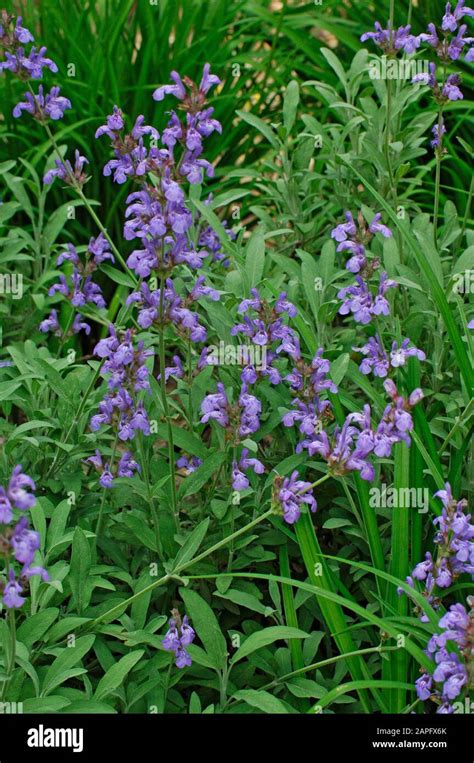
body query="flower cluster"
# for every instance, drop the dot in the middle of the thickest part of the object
(240, 419)
(289, 494)
(125, 366)
(451, 675)
(449, 42)
(264, 329)
(174, 309)
(379, 362)
(178, 637)
(42, 106)
(13, 36)
(392, 41)
(447, 46)
(73, 176)
(157, 214)
(18, 544)
(80, 289)
(159, 219)
(239, 479)
(455, 549)
(350, 446)
(357, 298)
(126, 467)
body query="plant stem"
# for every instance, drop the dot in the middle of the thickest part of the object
(172, 465)
(439, 157)
(100, 518)
(77, 187)
(232, 517)
(151, 502)
(9, 667)
(315, 484)
(119, 608)
(75, 419)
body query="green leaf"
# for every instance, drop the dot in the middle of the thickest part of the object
(264, 637)
(195, 481)
(34, 627)
(79, 573)
(290, 105)
(192, 543)
(262, 700)
(57, 673)
(206, 626)
(255, 257)
(116, 674)
(260, 125)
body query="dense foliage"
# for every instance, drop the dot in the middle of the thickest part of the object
(236, 381)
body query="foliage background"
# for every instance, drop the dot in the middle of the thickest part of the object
(122, 50)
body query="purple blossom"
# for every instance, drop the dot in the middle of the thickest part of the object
(377, 227)
(12, 591)
(451, 89)
(359, 301)
(127, 465)
(376, 359)
(66, 173)
(239, 479)
(438, 135)
(179, 635)
(189, 464)
(27, 66)
(51, 323)
(99, 248)
(52, 106)
(392, 41)
(19, 543)
(290, 495)
(451, 18)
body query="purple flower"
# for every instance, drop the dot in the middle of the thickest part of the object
(80, 325)
(20, 544)
(451, 18)
(451, 88)
(99, 248)
(27, 66)
(189, 464)
(376, 359)
(127, 465)
(391, 42)
(66, 173)
(12, 598)
(400, 354)
(438, 135)
(177, 89)
(52, 106)
(113, 125)
(423, 686)
(358, 300)
(290, 495)
(377, 227)
(51, 323)
(345, 230)
(24, 542)
(18, 488)
(179, 635)
(239, 480)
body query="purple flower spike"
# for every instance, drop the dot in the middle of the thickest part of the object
(290, 495)
(179, 635)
